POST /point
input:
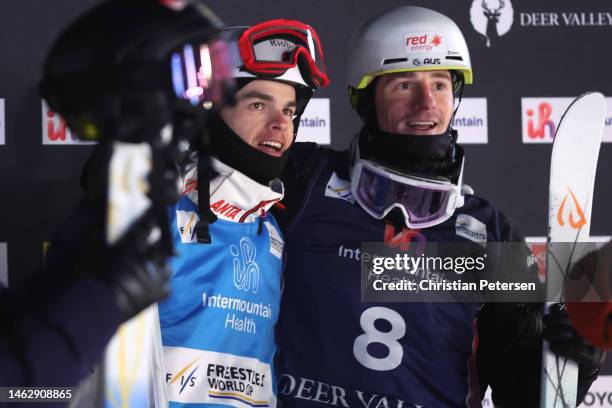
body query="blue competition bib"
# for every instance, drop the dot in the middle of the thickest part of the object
(218, 324)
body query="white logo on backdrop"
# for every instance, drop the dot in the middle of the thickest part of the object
(471, 121)
(492, 18)
(315, 122)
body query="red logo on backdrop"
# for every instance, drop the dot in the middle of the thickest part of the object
(404, 239)
(55, 130)
(575, 224)
(538, 131)
(55, 133)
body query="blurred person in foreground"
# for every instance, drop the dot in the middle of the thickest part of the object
(123, 74)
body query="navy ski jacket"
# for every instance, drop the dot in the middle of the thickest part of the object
(336, 350)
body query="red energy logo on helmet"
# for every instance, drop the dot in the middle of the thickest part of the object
(423, 42)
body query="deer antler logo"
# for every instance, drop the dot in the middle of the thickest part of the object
(492, 18)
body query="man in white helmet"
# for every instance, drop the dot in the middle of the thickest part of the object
(218, 324)
(399, 182)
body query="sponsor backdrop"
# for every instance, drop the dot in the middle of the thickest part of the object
(530, 59)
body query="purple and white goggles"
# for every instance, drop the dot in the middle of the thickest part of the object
(424, 202)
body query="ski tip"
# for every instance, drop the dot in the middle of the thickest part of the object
(592, 94)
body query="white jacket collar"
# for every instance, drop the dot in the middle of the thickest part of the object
(233, 196)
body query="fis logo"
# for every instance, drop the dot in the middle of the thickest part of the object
(492, 19)
(575, 223)
(339, 188)
(186, 222)
(54, 130)
(185, 377)
(246, 270)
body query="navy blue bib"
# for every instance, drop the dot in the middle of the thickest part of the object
(339, 351)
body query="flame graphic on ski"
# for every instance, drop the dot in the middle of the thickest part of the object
(574, 224)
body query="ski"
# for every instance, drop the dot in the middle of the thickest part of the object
(572, 176)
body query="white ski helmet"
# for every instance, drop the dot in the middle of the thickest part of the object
(407, 38)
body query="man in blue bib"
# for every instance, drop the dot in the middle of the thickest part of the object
(218, 326)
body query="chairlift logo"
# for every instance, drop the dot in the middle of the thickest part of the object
(492, 18)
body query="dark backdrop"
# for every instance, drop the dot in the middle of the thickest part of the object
(535, 58)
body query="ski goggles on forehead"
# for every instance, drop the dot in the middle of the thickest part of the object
(201, 72)
(273, 47)
(423, 202)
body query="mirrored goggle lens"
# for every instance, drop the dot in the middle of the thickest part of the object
(422, 204)
(200, 72)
